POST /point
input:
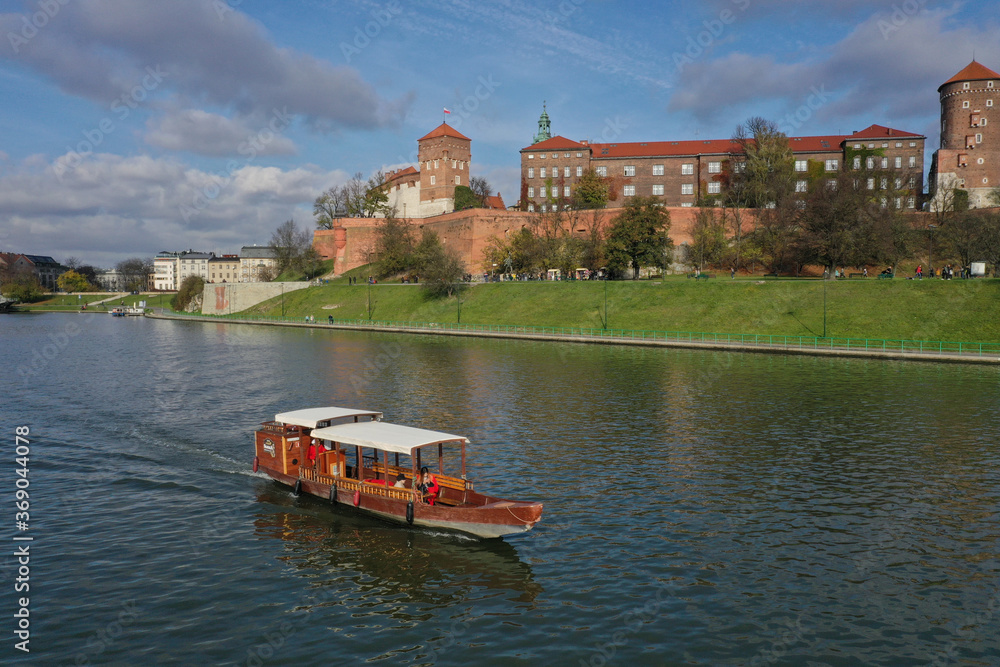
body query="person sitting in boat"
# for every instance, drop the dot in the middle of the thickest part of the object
(400, 481)
(428, 486)
(315, 447)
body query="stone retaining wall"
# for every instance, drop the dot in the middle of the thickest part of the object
(227, 298)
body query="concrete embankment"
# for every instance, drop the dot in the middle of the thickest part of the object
(624, 338)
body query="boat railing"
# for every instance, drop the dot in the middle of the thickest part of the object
(348, 484)
(278, 427)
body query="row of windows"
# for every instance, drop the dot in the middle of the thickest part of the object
(458, 180)
(542, 191)
(885, 144)
(965, 86)
(531, 156)
(455, 164)
(542, 171)
(965, 103)
(870, 162)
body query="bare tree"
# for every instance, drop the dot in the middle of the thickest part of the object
(481, 188)
(330, 205)
(134, 273)
(289, 243)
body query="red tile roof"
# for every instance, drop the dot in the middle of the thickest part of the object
(444, 130)
(556, 143)
(881, 132)
(400, 173)
(495, 202)
(972, 72)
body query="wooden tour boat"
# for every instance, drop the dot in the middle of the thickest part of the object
(353, 458)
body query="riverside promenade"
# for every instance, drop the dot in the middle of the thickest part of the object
(909, 350)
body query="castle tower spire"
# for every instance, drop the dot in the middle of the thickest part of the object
(544, 126)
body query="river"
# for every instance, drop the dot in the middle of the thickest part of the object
(700, 507)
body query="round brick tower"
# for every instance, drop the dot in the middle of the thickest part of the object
(969, 157)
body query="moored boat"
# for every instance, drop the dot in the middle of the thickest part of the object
(353, 458)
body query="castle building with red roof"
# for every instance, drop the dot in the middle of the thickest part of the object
(685, 172)
(969, 156)
(444, 157)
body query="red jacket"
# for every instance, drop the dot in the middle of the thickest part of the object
(432, 489)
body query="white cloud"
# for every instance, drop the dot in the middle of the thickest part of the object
(205, 133)
(110, 207)
(209, 52)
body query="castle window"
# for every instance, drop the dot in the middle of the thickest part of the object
(989, 103)
(531, 208)
(579, 154)
(433, 179)
(602, 171)
(857, 146)
(544, 208)
(913, 161)
(565, 154)
(871, 145)
(658, 170)
(831, 184)
(458, 180)
(435, 164)
(857, 162)
(541, 191)
(911, 202)
(899, 144)
(687, 169)
(628, 190)
(965, 104)
(913, 144)
(531, 191)
(989, 84)
(630, 170)
(714, 167)
(965, 86)
(531, 156)
(982, 122)
(579, 171)
(542, 156)
(461, 166)
(885, 144)
(884, 183)
(898, 162)
(541, 172)
(658, 189)
(566, 191)
(531, 172)
(913, 181)
(870, 162)
(898, 183)
(979, 138)
(801, 186)
(832, 165)
(454, 164)
(686, 204)
(687, 189)
(871, 183)
(555, 155)
(714, 188)
(566, 172)
(980, 161)
(899, 202)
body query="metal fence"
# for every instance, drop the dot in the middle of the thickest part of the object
(744, 340)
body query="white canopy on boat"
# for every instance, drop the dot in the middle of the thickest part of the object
(388, 437)
(310, 417)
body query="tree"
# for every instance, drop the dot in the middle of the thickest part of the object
(311, 263)
(592, 191)
(191, 287)
(134, 273)
(481, 188)
(21, 286)
(465, 198)
(71, 281)
(290, 244)
(639, 236)
(376, 198)
(708, 239)
(775, 233)
(440, 268)
(330, 205)
(760, 176)
(393, 247)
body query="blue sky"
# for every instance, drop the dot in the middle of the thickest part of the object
(132, 127)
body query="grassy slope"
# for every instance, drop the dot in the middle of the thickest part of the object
(921, 310)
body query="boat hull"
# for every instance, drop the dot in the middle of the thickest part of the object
(496, 518)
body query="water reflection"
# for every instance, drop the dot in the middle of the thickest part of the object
(387, 562)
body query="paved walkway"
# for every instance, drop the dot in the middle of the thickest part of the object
(610, 339)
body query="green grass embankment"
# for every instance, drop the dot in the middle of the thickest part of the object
(73, 302)
(930, 310)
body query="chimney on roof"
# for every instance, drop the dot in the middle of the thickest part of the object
(890, 131)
